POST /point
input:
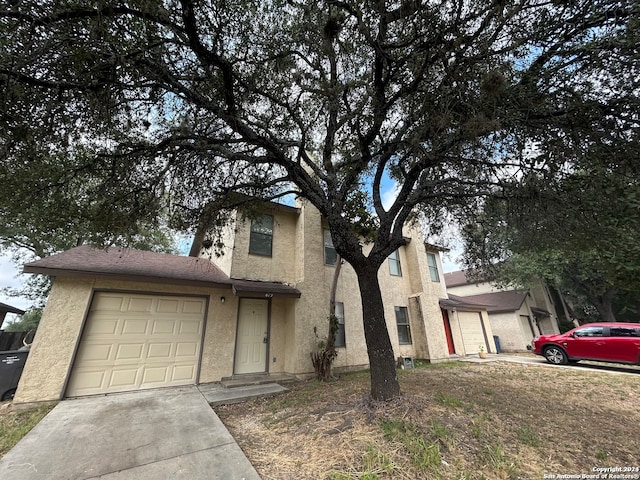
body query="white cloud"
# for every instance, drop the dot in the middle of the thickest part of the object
(389, 195)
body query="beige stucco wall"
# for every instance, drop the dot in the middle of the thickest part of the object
(49, 363)
(228, 239)
(45, 372)
(313, 278)
(508, 328)
(512, 328)
(281, 265)
(298, 259)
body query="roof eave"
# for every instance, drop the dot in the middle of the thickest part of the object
(61, 272)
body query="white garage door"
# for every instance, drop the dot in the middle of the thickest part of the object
(472, 332)
(135, 341)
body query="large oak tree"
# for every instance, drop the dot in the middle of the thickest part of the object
(173, 106)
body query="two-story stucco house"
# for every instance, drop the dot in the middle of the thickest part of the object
(516, 316)
(122, 319)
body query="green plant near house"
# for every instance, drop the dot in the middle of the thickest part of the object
(326, 352)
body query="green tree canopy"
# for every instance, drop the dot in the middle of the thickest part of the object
(580, 232)
(175, 106)
(27, 322)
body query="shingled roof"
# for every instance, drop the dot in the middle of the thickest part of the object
(457, 278)
(4, 308)
(462, 303)
(149, 266)
(498, 302)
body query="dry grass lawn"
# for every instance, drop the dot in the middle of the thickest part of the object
(15, 424)
(454, 421)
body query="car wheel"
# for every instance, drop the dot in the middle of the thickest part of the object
(8, 395)
(556, 355)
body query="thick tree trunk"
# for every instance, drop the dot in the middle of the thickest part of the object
(384, 377)
(604, 305)
(323, 359)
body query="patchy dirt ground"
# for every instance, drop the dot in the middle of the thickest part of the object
(453, 421)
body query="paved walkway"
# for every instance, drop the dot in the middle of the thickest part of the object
(146, 435)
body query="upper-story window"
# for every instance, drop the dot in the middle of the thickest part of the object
(261, 239)
(433, 267)
(394, 264)
(330, 255)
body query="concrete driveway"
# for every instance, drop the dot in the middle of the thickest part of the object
(540, 361)
(153, 434)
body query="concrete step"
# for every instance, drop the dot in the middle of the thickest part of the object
(262, 379)
(217, 395)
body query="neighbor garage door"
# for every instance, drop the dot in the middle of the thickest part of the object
(472, 332)
(135, 341)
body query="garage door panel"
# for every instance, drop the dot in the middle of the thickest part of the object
(193, 306)
(472, 332)
(97, 353)
(168, 306)
(186, 349)
(163, 327)
(108, 303)
(155, 375)
(130, 350)
(89, 380)
(159, 350)
(189, 327)
(134, 326)
(103, 326)
(140, 304)
(123, 378)
(183, 372)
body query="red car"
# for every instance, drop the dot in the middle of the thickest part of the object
(605, 342)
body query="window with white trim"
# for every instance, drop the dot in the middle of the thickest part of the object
(433, 267)
(394, 264)
(402, 322)
(330, 255)
(261, 238)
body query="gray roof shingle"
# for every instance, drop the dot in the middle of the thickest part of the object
(151, 266)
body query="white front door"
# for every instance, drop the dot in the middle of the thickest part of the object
(252, 337)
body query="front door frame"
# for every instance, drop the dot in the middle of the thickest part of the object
(447, 331)
(267, 352)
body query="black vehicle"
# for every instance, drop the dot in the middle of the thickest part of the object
(11, 366)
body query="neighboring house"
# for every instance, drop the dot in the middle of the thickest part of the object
(4, 309)
(516, 316)
(10, 340)
(122, 319)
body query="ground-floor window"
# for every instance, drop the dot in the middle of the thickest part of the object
(402, 321)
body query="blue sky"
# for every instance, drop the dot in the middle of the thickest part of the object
(9, 278)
